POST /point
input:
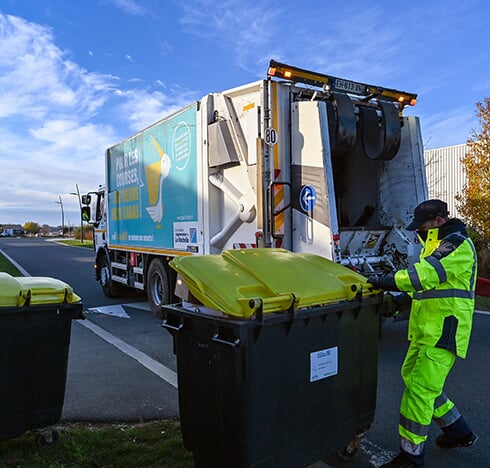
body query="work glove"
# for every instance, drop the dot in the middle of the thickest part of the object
(386, 283)
(397, 305)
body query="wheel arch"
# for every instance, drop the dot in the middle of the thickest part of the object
(103, 251)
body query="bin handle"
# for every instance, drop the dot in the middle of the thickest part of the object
(179, 326)
(233, 343)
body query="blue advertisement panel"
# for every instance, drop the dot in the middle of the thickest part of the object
(152, 185)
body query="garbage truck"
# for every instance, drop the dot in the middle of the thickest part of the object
(299, 160)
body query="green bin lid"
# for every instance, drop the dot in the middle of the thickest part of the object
(29, 290)
(237, 281)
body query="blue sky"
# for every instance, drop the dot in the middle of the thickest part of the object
(77, 76)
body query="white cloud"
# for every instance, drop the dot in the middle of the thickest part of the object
(448, 128)
(144, 108)
(130, 7)
(53, 122)
(245, 29)
(70, 133)
(357, 45)
(36, 79)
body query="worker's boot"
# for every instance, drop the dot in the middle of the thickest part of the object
(448, 442)
(457, 434)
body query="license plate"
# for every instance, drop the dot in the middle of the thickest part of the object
(349, 86)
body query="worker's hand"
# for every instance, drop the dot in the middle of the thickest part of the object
(374, 280)
(397, 305)
(387, 283)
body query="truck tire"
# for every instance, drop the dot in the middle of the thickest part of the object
(157, 287)
(110, 288)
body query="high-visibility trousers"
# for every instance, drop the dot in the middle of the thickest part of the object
(424, 372)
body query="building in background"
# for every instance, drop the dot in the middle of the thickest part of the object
(11, 230)
(446, 176)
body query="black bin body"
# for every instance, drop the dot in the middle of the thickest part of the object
(34, 343)
(249, 396)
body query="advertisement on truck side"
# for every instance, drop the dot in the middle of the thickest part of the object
(152, 185)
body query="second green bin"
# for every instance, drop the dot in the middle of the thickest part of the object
(278, 389)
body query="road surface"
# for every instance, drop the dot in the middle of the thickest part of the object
(122, 368)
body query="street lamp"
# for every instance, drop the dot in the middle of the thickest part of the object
(81, 215)
(62, 217)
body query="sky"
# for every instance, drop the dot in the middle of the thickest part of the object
(78, 76)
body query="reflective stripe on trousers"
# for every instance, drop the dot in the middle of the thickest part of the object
(424, 372)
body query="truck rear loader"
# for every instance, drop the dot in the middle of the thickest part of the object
(299, 160)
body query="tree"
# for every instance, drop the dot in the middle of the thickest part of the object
(474, 201)
(31, 227)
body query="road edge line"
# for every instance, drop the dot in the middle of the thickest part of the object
(16, 265)
(146, 361)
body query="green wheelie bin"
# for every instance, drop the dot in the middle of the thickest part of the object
(35, 327)
(276, 357)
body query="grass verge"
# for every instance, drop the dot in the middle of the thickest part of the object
(153, 444)
(7, 267)
(76, 243)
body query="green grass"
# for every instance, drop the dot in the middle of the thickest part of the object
(154, 444)
(76, 243)
(7, 267)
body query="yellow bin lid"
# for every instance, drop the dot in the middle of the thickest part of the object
(29, 290)
(237, 281)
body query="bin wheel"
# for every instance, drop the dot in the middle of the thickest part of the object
(47, 436)
(349, 451)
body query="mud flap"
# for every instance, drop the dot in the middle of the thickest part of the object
(380, 140)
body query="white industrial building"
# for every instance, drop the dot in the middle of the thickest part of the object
(445, 174)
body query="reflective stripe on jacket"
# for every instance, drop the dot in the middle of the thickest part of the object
(442, 284)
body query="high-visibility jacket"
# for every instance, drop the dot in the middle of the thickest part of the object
(442, 285)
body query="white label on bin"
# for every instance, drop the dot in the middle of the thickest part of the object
(323, 364)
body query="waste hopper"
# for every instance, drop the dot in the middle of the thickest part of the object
(35, 329)
(285, 384)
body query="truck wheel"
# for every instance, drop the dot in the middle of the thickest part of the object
(110, 289)
(157, 287)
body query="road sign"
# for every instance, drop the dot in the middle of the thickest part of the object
(307, 198)
(271, 136)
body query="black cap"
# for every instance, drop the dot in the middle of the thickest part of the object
(429, 209)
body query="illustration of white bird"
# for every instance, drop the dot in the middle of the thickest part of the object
(156, 211)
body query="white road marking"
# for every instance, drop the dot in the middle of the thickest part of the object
(112, 310)
(139, 305)
(377, 455)
(16, 265)
(482, 312)
(154, 366)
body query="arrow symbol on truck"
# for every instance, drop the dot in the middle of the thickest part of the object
(307, 198)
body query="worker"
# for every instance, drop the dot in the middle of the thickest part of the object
(442, 287)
